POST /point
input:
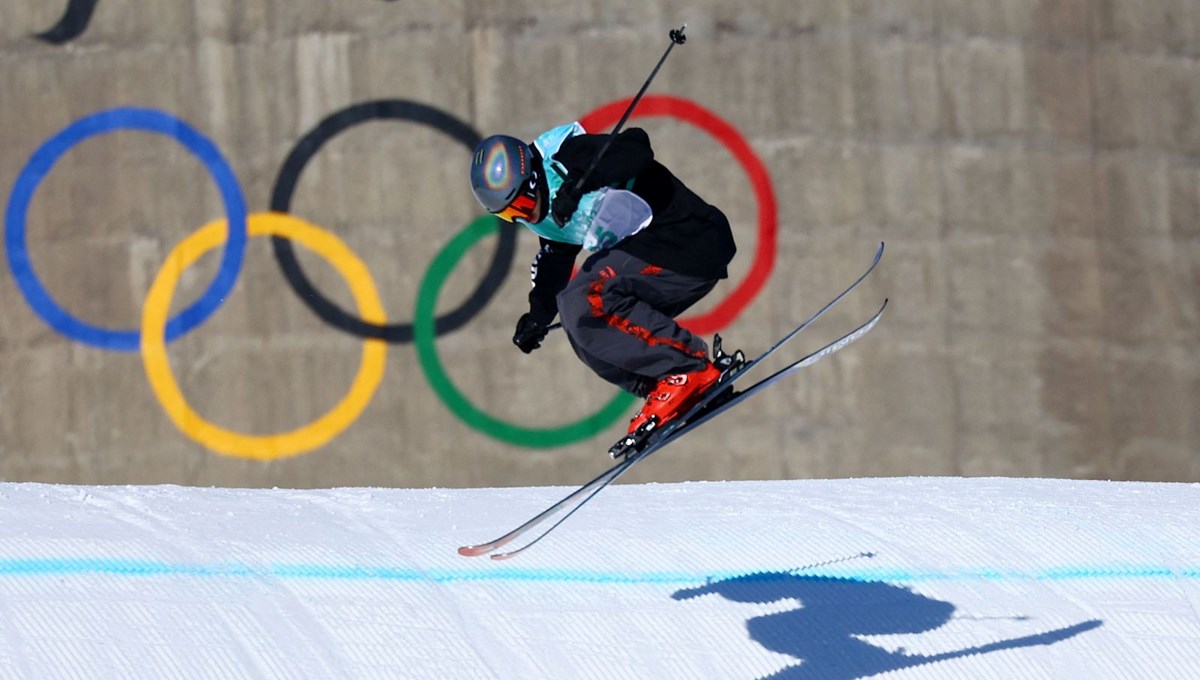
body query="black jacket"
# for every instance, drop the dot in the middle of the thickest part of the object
(687, 235)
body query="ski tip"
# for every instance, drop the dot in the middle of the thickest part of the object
(473, 550)
(503, 556)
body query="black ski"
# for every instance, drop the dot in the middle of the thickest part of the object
(727, 400)
(717, 400)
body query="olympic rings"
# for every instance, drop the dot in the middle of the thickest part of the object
(764, 258)
(369, 322)
(158, 369)
(424, 332)
(148, 120)
(285, 186)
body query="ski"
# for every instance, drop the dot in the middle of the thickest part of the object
(729, 400)
(736, 397)
(660, 438)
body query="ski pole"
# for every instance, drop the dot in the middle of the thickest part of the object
(677, 38)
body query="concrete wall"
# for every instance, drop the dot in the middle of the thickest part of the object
(1033, 166)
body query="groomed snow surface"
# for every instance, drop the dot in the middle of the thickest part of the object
(900, 578)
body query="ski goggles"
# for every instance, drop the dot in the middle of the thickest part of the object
(522, 207)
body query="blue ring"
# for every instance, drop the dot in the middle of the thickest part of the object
(39, 165)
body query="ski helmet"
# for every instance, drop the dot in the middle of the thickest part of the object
(505, 176)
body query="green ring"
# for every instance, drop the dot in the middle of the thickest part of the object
(425, 342)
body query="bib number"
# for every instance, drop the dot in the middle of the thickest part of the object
(619, 215)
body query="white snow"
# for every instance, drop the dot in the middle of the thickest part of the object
(908, 578)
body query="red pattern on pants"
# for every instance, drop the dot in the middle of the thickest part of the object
(619, 314)
(596, 300)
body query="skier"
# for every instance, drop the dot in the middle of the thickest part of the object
(666, 251)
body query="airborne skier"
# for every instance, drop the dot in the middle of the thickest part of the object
(659, 248)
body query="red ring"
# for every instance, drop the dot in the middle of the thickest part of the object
(764, 257)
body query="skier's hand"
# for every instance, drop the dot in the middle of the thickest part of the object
(564, 204)
(529, 334)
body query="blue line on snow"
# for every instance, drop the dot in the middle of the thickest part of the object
(149, 568)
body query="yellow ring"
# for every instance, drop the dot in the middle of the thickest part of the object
(268, 447)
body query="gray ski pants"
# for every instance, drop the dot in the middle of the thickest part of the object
(619, 313)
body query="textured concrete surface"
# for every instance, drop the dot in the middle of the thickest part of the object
(1033, 166)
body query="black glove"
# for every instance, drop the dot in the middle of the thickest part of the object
(563, 206)
(529, 334)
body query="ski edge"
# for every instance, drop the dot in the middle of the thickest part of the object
(497, 543)
(618, 470)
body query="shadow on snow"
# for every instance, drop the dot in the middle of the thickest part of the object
(823, 632)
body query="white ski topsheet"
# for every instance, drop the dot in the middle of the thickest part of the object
(913, 578)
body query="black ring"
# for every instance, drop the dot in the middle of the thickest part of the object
(73, 23)
(285, 186)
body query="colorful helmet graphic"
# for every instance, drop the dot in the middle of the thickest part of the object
(504, 177)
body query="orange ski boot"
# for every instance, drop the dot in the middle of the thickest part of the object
(671, 398)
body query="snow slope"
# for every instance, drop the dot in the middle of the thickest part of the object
(909, 578)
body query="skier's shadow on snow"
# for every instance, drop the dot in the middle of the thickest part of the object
(822, 632)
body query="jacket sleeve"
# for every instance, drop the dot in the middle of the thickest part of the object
(628, 156)
(550, 272)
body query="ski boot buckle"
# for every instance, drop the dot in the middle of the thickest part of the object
(634, 441)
